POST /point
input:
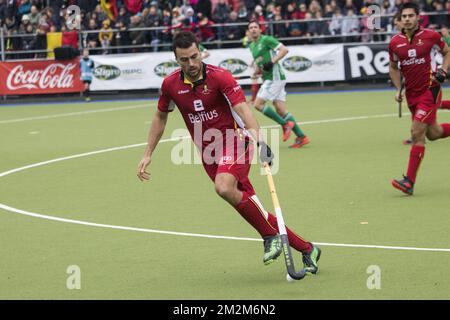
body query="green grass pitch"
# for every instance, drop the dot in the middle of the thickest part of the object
(334, 191)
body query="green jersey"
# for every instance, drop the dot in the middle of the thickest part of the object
(263, 50)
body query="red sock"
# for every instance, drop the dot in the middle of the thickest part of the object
(415, 157)
(446, 128)
(295, 241)
(254, 215)
(254, 89)
(445, 104)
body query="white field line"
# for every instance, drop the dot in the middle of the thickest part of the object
(99, 225)
(199, 235)
(79, 113)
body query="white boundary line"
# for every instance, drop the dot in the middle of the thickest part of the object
(70, 114)
(99, 225)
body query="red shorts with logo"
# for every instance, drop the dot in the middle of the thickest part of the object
(234, 158)
(424, 106)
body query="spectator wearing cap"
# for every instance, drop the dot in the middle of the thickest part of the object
(185, 7)
(24, 23)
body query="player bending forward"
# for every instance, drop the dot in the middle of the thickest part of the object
(208, 97)
(413, 49)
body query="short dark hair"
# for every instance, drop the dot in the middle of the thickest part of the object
(409, 5)
(253, 21)
(184, 40)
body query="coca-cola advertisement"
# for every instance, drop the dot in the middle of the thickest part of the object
(40, 77)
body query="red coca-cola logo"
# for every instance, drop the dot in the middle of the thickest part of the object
(54, 76)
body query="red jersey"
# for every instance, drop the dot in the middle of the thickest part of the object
(416, 57)
(206, 104)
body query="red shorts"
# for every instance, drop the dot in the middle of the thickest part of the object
(234, 158)
(424, 106)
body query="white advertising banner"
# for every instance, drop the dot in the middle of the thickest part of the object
(313, 63)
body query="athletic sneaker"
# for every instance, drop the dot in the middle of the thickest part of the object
(272, 249)
(311, 259)
(87, 99)
(405, 185)
(299, 142)
(287, 129)
(407, 141)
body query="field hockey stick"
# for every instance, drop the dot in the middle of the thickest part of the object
(282, 229)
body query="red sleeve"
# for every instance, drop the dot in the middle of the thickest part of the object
(165, 103)
(231, 89)
(438, 41)
(392, 56)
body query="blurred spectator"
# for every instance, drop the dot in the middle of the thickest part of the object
(24, 24)
(166, 22)
(123, 16)
(350, 25)
(204, 7)
(24, 7)
(152, 20)
(279, 29)
(336, 22)
(35, 17)
(318, 28)
(220, 16)
(3, 11)
(122, 37)
(185, 7)
(206, 31)
(137, 37)
(105, 35)
(440, 19)
(28, 42)
(242, 12)
(233, 32)
(259, 16)
(92, 38)
(295, 29)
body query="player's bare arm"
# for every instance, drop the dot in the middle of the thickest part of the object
(154, 135)
(281, 53)
(441, 73)
(395, 75)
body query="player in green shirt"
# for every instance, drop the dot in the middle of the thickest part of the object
(267, 52)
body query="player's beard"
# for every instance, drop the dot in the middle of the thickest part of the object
(194, 72)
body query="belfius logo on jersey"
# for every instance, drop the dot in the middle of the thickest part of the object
(165, 68)
(297, 64)
(106, 72)
(235, 66)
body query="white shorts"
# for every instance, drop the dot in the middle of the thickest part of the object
(272, 90)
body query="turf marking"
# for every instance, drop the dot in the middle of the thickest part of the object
(99, 225)
(79, 113)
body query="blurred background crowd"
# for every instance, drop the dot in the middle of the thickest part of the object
(119, 26)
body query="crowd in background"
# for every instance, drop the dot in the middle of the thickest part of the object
(304, 19)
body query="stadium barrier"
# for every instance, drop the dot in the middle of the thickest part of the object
(303, 64)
